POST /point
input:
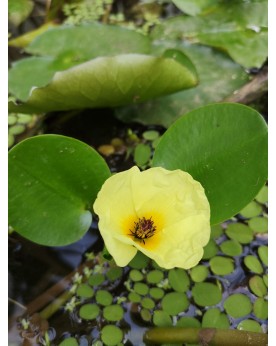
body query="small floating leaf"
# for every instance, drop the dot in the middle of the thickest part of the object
(69, 342)
(239, 232)
(17, 129)
(134, 297)
(221, 265)
(96, 279)
(210, 250)
(156, 293)
(179, 280)
(265, 278)
(216, 231)
(142, 154)
(150, 135)
(206, 294)
(155, 276)
(237, 305)
(147, 303)
(136, 275)
(257, 286)
(262, 196)
(111, 335)
(104, 297)
(188, 322)
(250, 326)
(214, 318)
(199, 273)
(114, 273)
(231, 248)
(260, 308)
(139, 261)
(251, 210)
(89, 311)
(263, 254)
(146, 315)
(85, 291)
(141, 288)
(113, 313)
(162, 318)
(253, 264)
(258, 224)
(174, 303)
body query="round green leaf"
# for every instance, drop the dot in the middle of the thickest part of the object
(262, 195)
(188, 322)
(53, 182)
(239, 232)
(139, 261)
(155, 276)
(263, 254)
(85, 291)
(225, 146)
(96, 279)
(141, 288)
(150, 135)
(104, 298)
(113, 313)
(142, 154)
(252, 209)
(199, 273)
(210, 250)
(214, 318)
(250, 326)
(206, 294)
(89, 311)
(260, 308)
(238, 305)
(136, 275)
(111, 335)
(221, 265)
(174, 303)
(156, 292)
(258, 224)
(162, 318)
(148, 303)
(16, 129)
(146, 315)
(134, 297)
(257, 286)
(231, 248)
(179, 280)
(69, 342)
(253, 264)
(114, 273)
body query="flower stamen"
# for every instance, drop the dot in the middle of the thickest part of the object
(143, 229)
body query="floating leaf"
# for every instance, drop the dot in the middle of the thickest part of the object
(188, 322)
(231, 248)
(50, 202)
(139, 261)
(265, 278)
(69, 342)
(216, 231)
(162, 318)
(141, 288)
(263, 254)
(258, 224)
(239, 232)
(113, 313)
(210, 250)
(230, 149)
(142, 154)
(250, 326)
(114, 273)
(262, 195)
(206, 294)
(150, 135)
(16, 129)
(174, 303)
(146, 315)
(237, 305)
(148, 303)
(179, 280)
(214, 318)
(199, 273)
(251, 210)
(111, 335)
(260, 308)
(104, 298)
(156, 292)
(136, 275)
(112, 81)
(154, 276)
(89, 311)
(257, 286)
(253, 264)
(96, 279)
(85, 291)
(134, 297)
(221, 265)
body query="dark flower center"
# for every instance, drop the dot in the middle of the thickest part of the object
(143, 229)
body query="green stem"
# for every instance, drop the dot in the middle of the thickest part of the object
(204, 337)
(55, 305)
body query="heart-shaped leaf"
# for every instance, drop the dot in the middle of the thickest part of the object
(53, 182)
(224, 147)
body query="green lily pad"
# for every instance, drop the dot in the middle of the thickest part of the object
(253, 264)
(150, 135)
(156, 293)
(258, 224)
(42, 181)
(96, 279)
(222, 265)
(206, 294)
(162, 318)
(104, 298)
(231, 248)
(263, 254)
(146, 315)
(260, 308)
(85, 291)
(155, 276)
(113, 313)
(237, 305)
(139, 261)
(239, 232)
(214, 318)
(199, 273)
(147, 303)
(142, 154)
(228, 136)
(262, 195)
(210, 250)
(134, 297)
(257, 286)
(179, 280)
(89, 311)
(188, 322)
(69, 342)
(174, 303)
(251, 210)
(141, 288)
(111, 335)
(114, 273)
(250, 326)
(136, 275)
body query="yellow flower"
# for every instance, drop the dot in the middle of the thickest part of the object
(164, 214)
